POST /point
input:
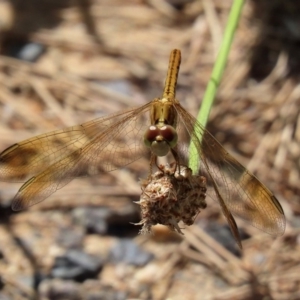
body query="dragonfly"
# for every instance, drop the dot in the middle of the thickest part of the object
(49, 161)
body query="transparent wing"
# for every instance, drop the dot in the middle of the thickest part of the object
(241, 192)
(98, 146)
(30, 157)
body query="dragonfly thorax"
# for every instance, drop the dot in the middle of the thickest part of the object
(160, 139)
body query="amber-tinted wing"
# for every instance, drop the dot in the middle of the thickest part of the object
(242, 193)
(57, 157)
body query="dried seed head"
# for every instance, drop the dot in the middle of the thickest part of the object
(171, 195)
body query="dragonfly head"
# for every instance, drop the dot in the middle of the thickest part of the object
(160, 139)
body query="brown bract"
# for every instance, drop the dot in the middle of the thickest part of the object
(171, 195)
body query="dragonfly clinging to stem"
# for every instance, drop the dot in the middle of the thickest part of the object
(49, 161)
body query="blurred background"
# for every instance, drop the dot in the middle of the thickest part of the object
(69, 61)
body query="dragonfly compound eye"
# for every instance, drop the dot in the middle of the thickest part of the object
(169, 134)
(160, 140)
(150, 135)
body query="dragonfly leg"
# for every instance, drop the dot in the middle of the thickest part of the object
(177, 162)
(153, 160)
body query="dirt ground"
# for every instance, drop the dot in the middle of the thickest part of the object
(67, 62)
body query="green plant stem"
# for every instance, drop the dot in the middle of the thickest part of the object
(216, 77)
